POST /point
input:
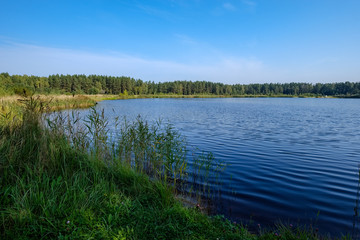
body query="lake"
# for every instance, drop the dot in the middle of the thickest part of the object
(289, 159)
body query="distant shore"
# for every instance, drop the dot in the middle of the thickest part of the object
(63, 163)
(68, 101)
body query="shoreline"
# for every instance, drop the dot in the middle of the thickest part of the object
(62, 99)
(122, 97)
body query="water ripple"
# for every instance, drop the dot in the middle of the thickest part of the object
(290, 159)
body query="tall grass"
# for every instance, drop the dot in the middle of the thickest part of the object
(157, 149)
(62, 179)
(55, 184)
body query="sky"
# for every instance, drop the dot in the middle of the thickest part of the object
(228, 41)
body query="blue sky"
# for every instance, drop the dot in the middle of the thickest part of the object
(230, 41)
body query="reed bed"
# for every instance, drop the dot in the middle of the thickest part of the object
(58, 183)
(64, 179)
(11, 109)
(156, 149)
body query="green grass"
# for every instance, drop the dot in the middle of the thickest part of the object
(121, 96)
(11, 109)
(52, 189)
(58, 184)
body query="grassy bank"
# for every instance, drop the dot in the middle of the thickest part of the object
(56, 102)
(51, 188)
(58, 183)
(10, 105)
(121, 96)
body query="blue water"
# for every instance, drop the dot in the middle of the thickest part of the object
(289, 159)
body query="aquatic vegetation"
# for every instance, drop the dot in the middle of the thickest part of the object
(61, 178)
(157, 150)
(57, 185)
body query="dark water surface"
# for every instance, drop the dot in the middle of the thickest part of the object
(290, 159)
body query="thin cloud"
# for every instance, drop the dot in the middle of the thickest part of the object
(184, 39)
(325, 60)
(229, 6)
(43, 61)
(249, 3)
(36, 60)
(157, 12)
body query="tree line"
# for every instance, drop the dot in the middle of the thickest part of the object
(98, 84)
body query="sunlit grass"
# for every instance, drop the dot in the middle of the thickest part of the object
(54, 187)
(65, 179)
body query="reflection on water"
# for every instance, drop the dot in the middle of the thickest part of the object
(356, 233)
(289, 159)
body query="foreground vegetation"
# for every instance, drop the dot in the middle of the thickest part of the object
(125, 86)
(11, 107)
(59, 181)
(53, 187)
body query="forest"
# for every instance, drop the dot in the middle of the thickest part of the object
(99, 84)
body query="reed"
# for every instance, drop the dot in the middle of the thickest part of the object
(55, 182)
(157, 150)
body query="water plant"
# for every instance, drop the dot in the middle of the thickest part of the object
(54, 183)
(157, 149)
